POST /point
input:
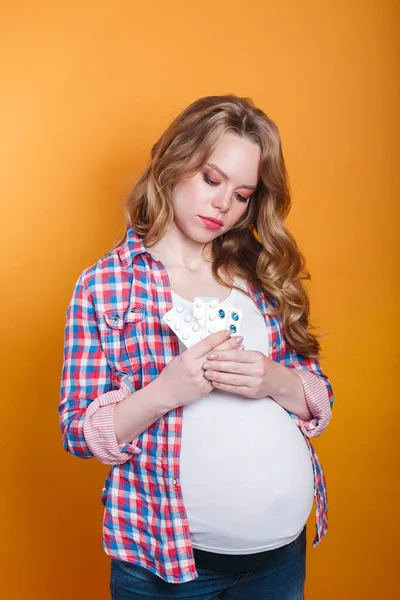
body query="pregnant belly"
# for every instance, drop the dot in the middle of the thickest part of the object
(246, 474)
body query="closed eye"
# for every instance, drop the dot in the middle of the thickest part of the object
(210, 181)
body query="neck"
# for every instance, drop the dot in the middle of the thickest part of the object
(176, 250)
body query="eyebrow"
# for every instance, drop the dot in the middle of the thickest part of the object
(225, 176)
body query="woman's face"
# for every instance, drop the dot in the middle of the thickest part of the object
(220, 190)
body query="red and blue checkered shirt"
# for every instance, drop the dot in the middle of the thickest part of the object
(115, 344)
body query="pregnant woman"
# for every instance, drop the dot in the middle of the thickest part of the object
(212, 473)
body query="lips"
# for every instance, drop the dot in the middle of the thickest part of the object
(212, 220)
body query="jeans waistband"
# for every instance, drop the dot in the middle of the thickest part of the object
(237, 562)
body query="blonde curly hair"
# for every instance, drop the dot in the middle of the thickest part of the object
(258, 248)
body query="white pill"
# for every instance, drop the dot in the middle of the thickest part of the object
(198, 303)
(212, 329)
(188, 318)
(185, 336)
(212, 316)
(177, 327)
(168, 317)
(213, 304)
(179, 308)
(198, 317)
(195, 327)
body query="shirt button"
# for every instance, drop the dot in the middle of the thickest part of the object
(174, 481)
(274, 345)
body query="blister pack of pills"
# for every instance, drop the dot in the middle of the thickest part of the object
(208, 316)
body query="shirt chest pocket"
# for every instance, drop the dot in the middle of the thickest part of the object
(125, 338)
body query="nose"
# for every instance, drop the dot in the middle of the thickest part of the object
(222, 200)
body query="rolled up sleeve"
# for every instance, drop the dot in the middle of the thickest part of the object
(318, 392)
(99, 430)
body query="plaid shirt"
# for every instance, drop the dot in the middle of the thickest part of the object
(115, 344)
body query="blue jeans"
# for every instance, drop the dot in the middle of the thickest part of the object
(282, 577)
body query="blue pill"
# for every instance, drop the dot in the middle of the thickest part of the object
(221, 313)
(233, 328)
(235, 316)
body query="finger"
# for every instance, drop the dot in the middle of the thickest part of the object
(235, 380)
(246, 356)
(209, 343)
(225, 366)
(231, 344)
(243, 390)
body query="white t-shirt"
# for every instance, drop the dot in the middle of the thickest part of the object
(245, 469)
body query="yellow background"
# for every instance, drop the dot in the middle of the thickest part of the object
(86, 89)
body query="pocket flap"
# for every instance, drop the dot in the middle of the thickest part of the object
(118, 319)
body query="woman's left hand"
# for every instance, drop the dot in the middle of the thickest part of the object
(246, 372)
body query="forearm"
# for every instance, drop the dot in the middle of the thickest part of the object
(288, 391)
(138, 411)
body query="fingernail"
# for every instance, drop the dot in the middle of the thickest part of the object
(211, 356)
(238, 339)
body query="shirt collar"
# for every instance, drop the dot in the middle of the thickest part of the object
(132, 246)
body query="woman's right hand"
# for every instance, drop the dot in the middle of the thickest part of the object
(183, 379)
